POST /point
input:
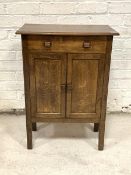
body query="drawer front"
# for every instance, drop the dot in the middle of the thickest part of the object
(74, 44)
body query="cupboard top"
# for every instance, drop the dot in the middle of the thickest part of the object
(60, 29)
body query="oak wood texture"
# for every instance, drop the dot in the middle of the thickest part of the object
(27, 93)
(59, 29)
(105, 93)
(85, 75)
(66, 73)
(47, 84)
(65, 120)
(67, 44)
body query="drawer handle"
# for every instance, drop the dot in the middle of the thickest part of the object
(47, 44)
(86, 44)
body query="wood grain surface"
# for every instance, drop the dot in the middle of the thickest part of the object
(59, 29)
(66, 73)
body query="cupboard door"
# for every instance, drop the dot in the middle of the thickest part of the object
(84, 85)
(47, 84)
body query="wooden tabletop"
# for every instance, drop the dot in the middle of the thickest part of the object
(58, 29)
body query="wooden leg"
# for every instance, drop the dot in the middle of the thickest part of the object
(29, 135)
(101, 135)
(96, 127)
(34, 127)
(104, 93)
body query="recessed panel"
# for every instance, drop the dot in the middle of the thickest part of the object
(84, 83)
(48, 81)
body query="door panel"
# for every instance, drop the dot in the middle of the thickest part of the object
(47, 80)
(84, 85)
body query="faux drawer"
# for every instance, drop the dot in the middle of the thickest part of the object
(79, 44)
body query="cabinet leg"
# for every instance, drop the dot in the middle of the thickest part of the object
(96, 127)
(29, 136)
(34, 126)
(101, 135)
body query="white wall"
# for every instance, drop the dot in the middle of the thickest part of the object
(14, 13)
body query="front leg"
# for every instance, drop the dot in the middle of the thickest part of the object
(101, 135)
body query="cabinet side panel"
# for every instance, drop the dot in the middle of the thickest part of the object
(105, 92)
(106, 76)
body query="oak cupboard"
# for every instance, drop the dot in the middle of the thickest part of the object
(66, 72)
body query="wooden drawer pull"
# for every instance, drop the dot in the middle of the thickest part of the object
(86, 44)
(47, 44)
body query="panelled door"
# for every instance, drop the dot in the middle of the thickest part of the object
(47, 84)
(84, 85)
